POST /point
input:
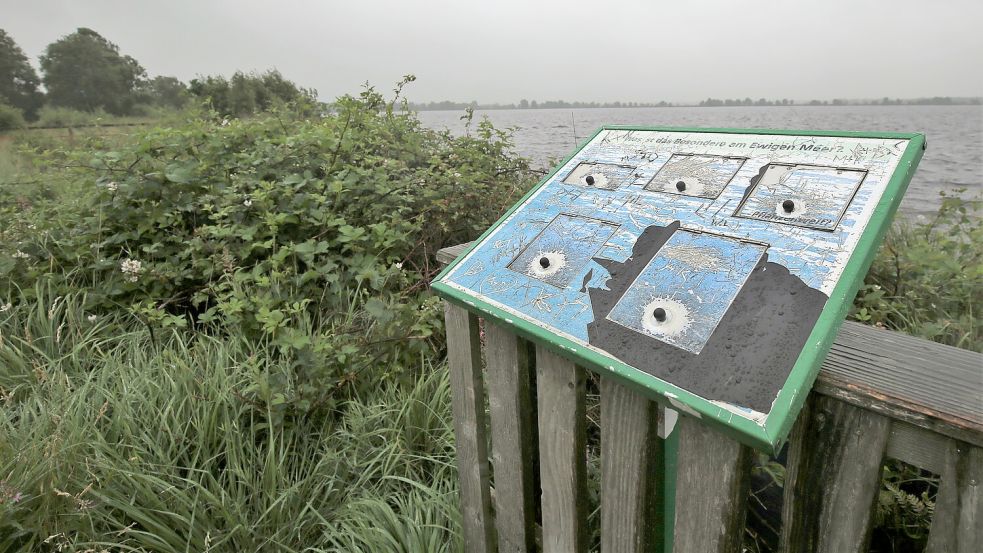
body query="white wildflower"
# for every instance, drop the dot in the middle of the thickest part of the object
(225, 122)
(5, 307)
(457, 175)
(112, 186)
(131, 269)
(91, 318)
(247, 203)
(399, 265)
(21, 255)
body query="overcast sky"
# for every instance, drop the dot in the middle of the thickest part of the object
(506, 50)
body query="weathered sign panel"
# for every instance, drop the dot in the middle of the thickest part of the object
(709, 268)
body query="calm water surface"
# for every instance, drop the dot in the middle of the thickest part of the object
(954, 158)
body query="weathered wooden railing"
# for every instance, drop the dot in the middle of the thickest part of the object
(880, 395)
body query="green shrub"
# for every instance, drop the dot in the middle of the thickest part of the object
(11, 118)
(313, 236)
(54, 116)
(927, 279)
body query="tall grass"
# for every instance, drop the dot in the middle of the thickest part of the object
(111, 439)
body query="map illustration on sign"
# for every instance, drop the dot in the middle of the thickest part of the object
(803, 195)
(606, 176)
(695, 175)
(563, 249)
(708, 269)
(683, 292)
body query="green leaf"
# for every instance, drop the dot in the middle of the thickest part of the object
(378, 310)
(181, 172)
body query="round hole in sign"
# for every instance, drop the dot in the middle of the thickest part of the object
(666, 316)
(546, 264)
(590, 180)
(790, 208)
(689, 186)
(659, 314)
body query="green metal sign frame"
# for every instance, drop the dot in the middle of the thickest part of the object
(770, 435)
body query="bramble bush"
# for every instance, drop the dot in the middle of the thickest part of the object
(314, 236)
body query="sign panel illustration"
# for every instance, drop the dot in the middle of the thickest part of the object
(709, 269)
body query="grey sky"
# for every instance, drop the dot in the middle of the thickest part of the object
(505, 50)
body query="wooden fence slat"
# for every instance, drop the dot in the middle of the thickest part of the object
(712, 483)
(561, 388)
(631, 469)
(832, 478)
(510, 406)
(917, 446)
(467, 399)
(957, 524)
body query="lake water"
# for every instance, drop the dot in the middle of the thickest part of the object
(954, 158)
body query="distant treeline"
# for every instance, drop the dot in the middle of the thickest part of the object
(85, 74)
(447, 105)
(885, 101)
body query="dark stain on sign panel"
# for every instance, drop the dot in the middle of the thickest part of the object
(747, 357)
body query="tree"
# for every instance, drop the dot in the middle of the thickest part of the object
(18, 80)
(85, 71)
(165, 92)
(247, 93)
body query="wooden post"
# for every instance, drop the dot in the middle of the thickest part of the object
(957, 524)
(712, 483)
(562, 452)
(833, 474)
(631, 471)
(510, 406)
(464, 364)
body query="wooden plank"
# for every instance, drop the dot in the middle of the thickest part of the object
(712, 482)
(957, 524)
(447, 255)
(562, 452)
(925, 384)
(917, 446)
(467, 399)
(510, 407)
(930, 385)
(631, 471)
(832, 478)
